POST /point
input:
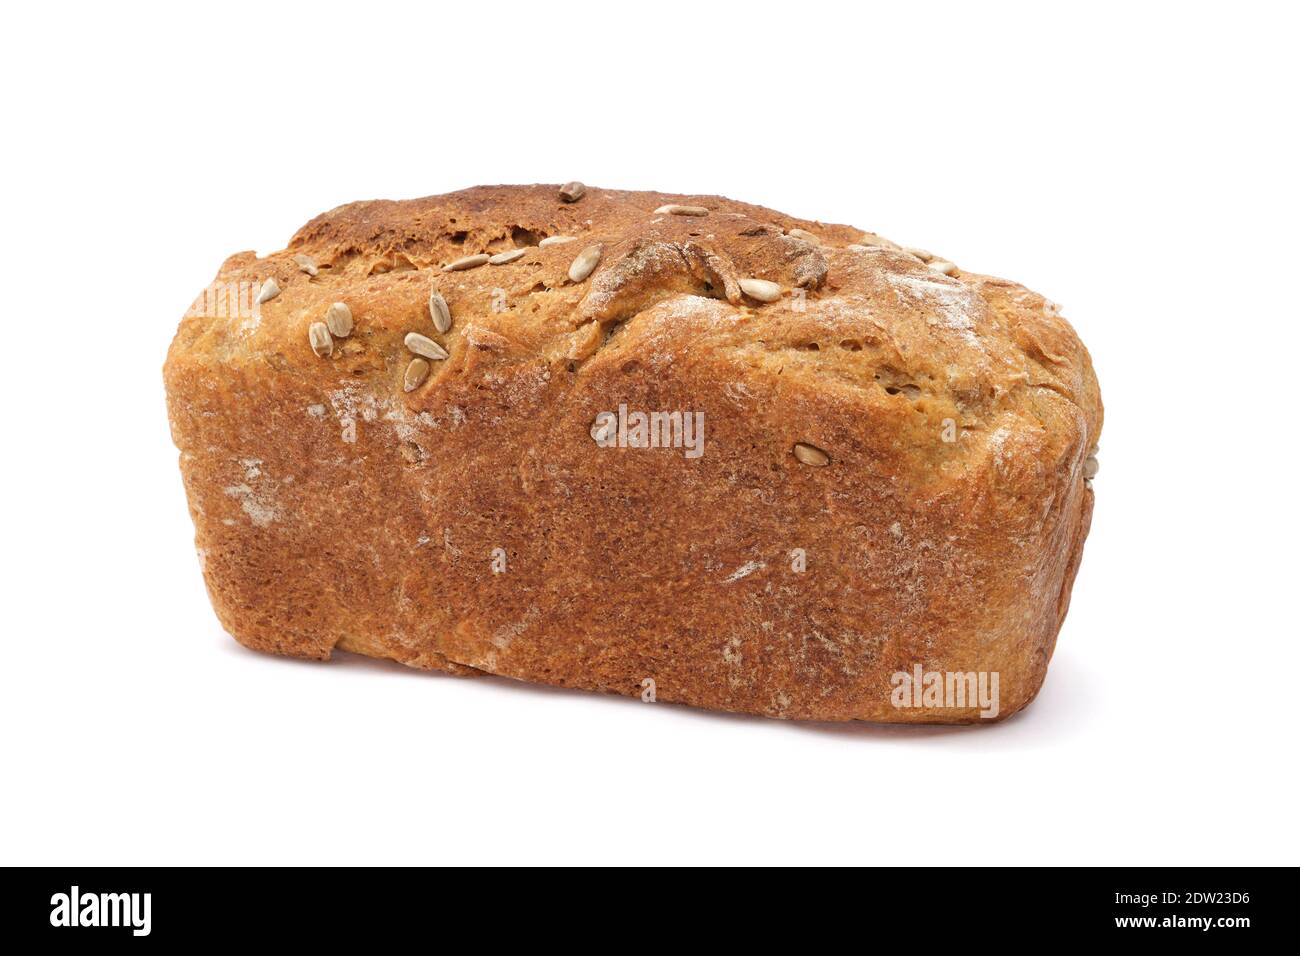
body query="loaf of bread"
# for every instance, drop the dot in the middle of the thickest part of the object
(673, 447)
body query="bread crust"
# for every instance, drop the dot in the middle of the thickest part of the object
(474, 525)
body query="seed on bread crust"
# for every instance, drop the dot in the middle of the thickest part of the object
(270, 289)
(675, 209)
(811, 454)
(556, 240)
(415, 374)
(805, 235)
(921, 254)
(467, 262)
(572, 192)
(425, 347)
(501, 258)
(943, 266)
(339, 320)
(318, 335)
(439, 311)
(585, 263)
(1090, 467)
(868, 239)
(760, 289)
(306, 263)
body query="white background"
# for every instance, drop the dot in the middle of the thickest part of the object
(1135, 163)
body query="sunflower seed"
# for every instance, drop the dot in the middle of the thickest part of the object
(415, 374)
(556, 240)
(673, 209)
(439, 311)
(805, 235)
(339, 320)
(270, 289)
(760, 289)
(811, 454)
(306, 263)
(585, 264)
(466, 262)
(318, 334)
(942, 265)
(921, 254)
(1090, 467)
(572, 192)
(424, 346)
(501, 258)
(870, 239)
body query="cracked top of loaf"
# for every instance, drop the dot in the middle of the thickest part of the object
(903, 330)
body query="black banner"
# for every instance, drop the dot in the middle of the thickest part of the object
(1223, 907)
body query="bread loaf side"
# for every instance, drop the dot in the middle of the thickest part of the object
(700, 452)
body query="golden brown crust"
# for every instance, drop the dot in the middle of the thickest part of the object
(335, 509)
